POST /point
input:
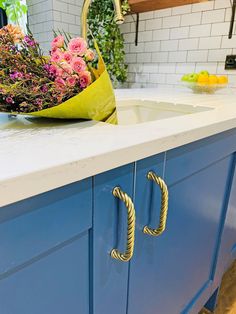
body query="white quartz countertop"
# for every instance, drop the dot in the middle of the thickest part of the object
(35, 158)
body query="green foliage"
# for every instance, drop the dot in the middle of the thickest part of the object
(15, 9)
(108, 36)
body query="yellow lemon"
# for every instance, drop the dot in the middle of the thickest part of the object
(213, 79)
(203, 79)
(222, 79)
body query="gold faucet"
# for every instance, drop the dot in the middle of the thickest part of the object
(119, 18)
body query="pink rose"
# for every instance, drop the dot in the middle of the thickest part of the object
(85, 79)
(78, 65)
(71, 80)
(60, 83)
(78, 46)
(67, 56)
(53, 50)
(59, 71)
(66, 68)
(90, 55)
(58, 42)
(57, 56)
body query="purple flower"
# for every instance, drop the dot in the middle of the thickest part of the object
(44, 88)
(29, 41)
(16, 75)
(39, 101)
(9, 100)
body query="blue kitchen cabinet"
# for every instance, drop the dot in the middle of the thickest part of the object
(44, 252)
(173, 273)
(110, 276)
(55, 248)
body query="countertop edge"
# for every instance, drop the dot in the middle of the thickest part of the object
(48, 179)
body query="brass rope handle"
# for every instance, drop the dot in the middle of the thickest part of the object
(125, 257)
(164, 206)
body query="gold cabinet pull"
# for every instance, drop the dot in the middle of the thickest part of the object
(164, 206)
(125, 257)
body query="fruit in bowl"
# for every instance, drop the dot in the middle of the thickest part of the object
(204, 82)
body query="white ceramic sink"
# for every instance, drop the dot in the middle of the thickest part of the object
(139, 111)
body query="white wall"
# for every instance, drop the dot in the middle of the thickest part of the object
(48, 15)
(177, 41)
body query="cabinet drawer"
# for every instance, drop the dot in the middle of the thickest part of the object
(31, 227)
(189, 159)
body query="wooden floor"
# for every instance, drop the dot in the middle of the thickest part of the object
(227, 296)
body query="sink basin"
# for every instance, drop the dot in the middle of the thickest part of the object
(140, 111)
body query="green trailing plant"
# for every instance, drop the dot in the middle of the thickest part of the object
(107, 33)
(14, 9)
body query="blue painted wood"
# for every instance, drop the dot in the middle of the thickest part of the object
(44, 252)
(228, 241)
(35, 225)
(200, 154)
(174, 271)
(56, 283)
(110, 277)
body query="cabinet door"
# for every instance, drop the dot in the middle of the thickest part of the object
(227, 252)
(170, 273)
(110, 276)
(44, 252)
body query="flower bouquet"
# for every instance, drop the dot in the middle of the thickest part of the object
(64, 85)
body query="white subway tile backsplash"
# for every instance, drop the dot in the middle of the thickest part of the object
(139, 48)
(185, 68)
(159, 57)
(162, 13)
(178, 56)
(228, 43)
(184, 39)
(150, 68)
(228, 14)
(125, 28)
(197, 56)
(218, 55)
(191, 19)
(161, 34)
(141, 27)
(172, 41)
(144, 36)
(145, 57)
(153, 24)
(167, 68)
(200, 30)
(172, 21)
(205, 6)
(174, 79)
(210, 42)
(146, 16)
(131, 58)
(184, 9)
(188, 44)
(179, 32)
(152, 46)
(215, 16)
(220, 4)
(220, 29)
(157, 78)
(169, 45)
(129, 37)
